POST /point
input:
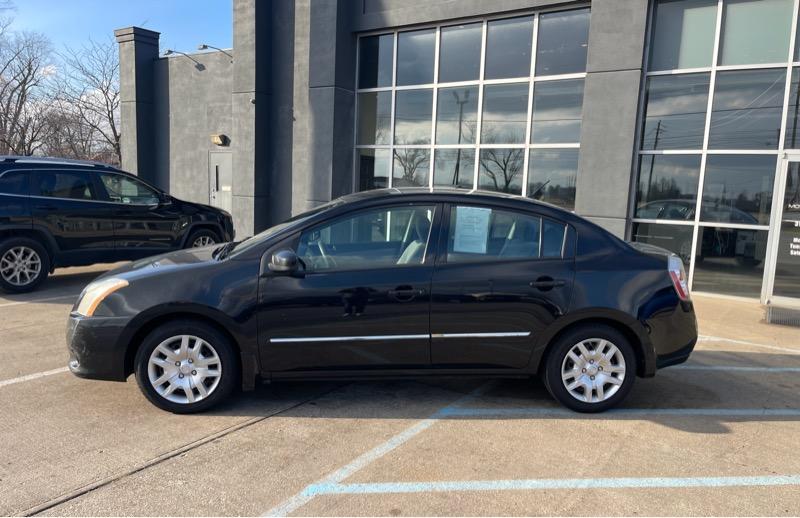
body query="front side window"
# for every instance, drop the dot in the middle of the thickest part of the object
(64, 184)
(14, 182)
(378, 238)
(486, 234)
(122, 189)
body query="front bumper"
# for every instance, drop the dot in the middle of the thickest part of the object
(96, 350)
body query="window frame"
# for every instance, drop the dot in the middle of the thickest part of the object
(531, 80)
(444, 235)
(431, 246)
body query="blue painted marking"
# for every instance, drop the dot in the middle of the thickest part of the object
(539, 484)
(710, 412)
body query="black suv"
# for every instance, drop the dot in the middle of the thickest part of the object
(56, 212)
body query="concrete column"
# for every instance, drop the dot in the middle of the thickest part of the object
(323, 102)
(610, 108)
(138, 52)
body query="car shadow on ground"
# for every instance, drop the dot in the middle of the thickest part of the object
(58, 288)
(698, 398)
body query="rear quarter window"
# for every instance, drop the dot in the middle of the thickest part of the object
(14, 182)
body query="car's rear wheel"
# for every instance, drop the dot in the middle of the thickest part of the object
(590, 368)
(203, 237)
(186, 366)
(24, 264)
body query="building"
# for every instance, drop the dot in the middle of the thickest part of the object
(671, 122)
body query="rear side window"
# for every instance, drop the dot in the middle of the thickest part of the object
(14, 182)
(64, 184)
(486, 234)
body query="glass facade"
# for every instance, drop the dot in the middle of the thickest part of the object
(491, 104)
(721, 104)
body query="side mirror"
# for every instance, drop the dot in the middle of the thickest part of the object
(284, 261)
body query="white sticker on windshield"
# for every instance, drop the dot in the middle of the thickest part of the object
(472, 230)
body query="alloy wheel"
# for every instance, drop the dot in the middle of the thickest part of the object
(184, 369)
(203, 241)
(593, 370)
(20, 266)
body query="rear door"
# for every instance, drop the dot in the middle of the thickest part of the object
(68, 205)
(501, 278)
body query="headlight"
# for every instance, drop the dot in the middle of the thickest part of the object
(96, 292)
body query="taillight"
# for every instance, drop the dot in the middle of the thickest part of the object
(678, 275)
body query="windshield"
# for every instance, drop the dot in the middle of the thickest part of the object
(250, 242)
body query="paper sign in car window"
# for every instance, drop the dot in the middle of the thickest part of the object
(472, 230)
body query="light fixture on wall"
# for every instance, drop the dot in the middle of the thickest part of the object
(205, 46)
(197, 64)
(219, 139)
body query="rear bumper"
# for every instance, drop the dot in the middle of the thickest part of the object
(95, 348)
(674, 335)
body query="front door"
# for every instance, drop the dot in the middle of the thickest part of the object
(220, 179)
(500, 281)
(362, 300)
(783, 283)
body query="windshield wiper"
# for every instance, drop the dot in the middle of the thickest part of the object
(222, 252)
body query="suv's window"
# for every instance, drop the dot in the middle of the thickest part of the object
(371, 239)
(14, 182)
(64, 184)
(122, 189)
(486, 234)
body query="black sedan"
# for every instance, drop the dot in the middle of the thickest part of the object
(393, 283)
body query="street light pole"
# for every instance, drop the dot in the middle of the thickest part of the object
(461, 104)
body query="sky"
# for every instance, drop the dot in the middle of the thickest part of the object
(183, 24)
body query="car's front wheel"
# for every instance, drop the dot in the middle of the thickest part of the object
(24, 264)
(203, 237)
(186, 366)
(590, 368)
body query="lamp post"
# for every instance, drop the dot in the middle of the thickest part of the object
(461, 103)
(205, 46)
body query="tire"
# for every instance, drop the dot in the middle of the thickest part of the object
(33, 255)
(202, 237)
(621, 366)
(172, 394)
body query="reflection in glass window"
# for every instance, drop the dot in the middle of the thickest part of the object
(792, 140)
(411, 167)
(373, 169)
(374, 117)
(738, 189)
(557, 110)
(729, 261)
(501, 170)
(675, 238)
(508, 48)
(755, 31)
(505, 112)
(456, 115)
(484, 234)
(375, 61)
(683, 34)
(675, 111)
(747, 109)
(460, 53)
(415, 57)
(454, 168)
(563, 41)
(412, 117)
(552, 174)
(667, 187)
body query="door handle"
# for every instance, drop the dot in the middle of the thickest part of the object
(405, 293)
(546, 283)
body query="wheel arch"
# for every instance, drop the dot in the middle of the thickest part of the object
(201, 225)
(37, 234)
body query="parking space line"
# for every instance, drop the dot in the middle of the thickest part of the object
(734, 368)
(705, 338)
(34, 301)
(538, 484)
(610, 414)
(308, 493)
(34, 376)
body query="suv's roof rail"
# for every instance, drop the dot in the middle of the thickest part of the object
(54, 161)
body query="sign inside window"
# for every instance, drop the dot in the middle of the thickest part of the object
(472, 230)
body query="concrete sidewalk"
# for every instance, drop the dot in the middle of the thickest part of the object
(741, 320)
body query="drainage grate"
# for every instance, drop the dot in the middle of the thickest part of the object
(783, 316)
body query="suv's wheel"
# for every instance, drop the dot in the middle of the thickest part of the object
(24, 264)
(202, 237)
(590, 368)
(186, 366)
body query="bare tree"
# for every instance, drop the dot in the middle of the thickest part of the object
(408, 161)
(89, 91)
(503, 167)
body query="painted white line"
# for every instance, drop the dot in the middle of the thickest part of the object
(733, 368)
(622, 412)
(308, 493)
(34, 301)
(34, 376)
(704, 338)
(565, 483)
